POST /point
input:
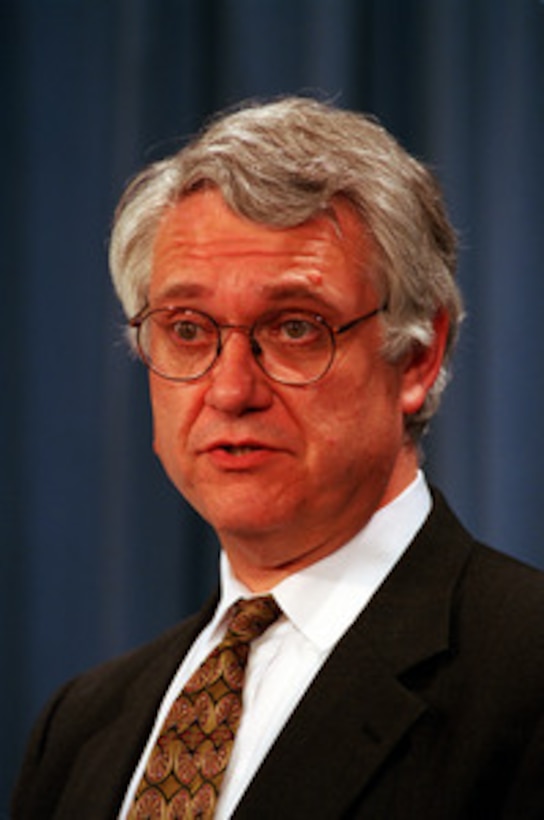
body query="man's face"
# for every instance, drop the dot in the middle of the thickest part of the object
(284, 474)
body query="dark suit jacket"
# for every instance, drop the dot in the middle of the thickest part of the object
(431, 707)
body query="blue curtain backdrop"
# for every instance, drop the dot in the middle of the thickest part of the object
(98, 552)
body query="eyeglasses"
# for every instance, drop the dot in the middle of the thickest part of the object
(292, 347)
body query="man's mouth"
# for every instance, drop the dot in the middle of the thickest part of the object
(239, 449)
(239, 455)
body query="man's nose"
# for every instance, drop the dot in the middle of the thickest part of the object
(237, 383)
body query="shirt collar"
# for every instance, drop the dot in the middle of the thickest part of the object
(323, 599)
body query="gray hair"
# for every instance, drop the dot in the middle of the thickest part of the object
(281, 163)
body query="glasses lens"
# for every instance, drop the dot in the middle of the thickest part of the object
(294, 347)
(178, 344)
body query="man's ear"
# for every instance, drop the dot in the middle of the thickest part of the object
(422, 366)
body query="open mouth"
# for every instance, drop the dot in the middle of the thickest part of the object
(239, 450)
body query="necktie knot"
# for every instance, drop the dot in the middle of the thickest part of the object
(250, 617)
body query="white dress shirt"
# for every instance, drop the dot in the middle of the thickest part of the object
(319, 604)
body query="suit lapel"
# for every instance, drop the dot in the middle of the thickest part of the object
(110, 753)
(358, 709)
(350, 719)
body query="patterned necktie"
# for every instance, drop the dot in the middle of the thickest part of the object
(187, 764)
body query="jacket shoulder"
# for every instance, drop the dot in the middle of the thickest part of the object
(95, 712)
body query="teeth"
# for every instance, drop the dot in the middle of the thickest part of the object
(240, 451)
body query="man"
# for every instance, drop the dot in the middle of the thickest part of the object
(288, 278)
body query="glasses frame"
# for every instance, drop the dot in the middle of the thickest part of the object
(137, 321)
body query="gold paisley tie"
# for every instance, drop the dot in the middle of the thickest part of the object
(187, 764)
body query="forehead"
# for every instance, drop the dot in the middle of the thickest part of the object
(200, 235)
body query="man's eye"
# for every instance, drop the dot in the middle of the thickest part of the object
(292, 331)
(298, 329)
(190, 330)
(186, 330)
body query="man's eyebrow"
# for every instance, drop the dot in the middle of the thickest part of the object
(275, 292)
(278, 292)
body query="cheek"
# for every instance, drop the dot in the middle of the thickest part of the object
(359, 413)
(173, 410)
(160, 409)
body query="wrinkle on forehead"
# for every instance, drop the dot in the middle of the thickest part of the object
(201, 236)
(202, 228)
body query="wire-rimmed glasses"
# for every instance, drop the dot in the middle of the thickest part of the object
(293, 347)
